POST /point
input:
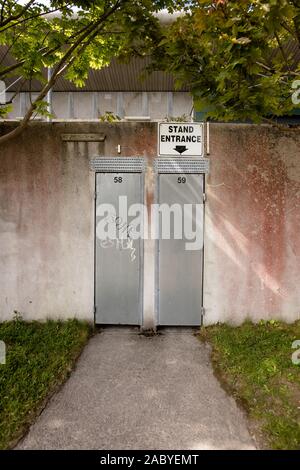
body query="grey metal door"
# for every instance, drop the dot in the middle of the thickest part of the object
(118, 273)
(179, 270)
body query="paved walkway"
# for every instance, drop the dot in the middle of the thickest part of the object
(129, 391)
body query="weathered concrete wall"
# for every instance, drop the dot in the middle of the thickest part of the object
(252, 232)
(47, 216)
(252, 241)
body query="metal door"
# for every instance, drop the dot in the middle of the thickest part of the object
(179, 271)
(118, 273)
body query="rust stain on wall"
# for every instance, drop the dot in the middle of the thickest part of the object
(250, 196)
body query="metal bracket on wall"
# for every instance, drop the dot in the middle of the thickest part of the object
(202, 312)
(83, 137)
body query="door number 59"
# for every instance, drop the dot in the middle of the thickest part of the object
(181, 179)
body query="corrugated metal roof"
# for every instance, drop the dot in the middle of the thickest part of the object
(123, 76)
(292, 51)
(116, 77)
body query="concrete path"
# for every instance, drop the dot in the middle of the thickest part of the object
(129, 391)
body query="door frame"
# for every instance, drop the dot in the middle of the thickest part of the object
(157, 250)
(141, 250)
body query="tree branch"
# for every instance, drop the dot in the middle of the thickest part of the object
(28, 18)
(90, 33)
(282, 51)
(13, 67)
(15, 17)
(2, 11)
(289, 30)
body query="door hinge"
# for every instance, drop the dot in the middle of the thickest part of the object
(95, 309)
(95, 195)
(202, 310)
(204, 197)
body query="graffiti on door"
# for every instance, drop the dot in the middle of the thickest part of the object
(123, 241)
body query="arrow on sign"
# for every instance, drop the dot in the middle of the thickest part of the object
(180, 148)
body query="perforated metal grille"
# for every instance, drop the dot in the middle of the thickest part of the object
(181, 165)
(118, 164)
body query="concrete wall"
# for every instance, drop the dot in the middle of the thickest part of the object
(47, 216)
(252, 224)
(252, 242)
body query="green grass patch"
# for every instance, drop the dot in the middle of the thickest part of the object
(39, 358)
(255, 363)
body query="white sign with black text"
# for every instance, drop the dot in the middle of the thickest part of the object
(180, 138)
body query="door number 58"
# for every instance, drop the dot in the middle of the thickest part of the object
(118, 179)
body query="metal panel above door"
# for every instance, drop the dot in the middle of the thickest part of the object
(181, 165)
(118, 270)
(118, 164)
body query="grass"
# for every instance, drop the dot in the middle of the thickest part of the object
(39, 357)
(255, 363)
